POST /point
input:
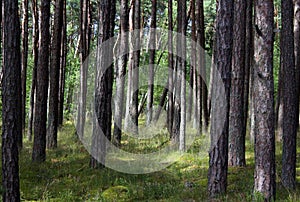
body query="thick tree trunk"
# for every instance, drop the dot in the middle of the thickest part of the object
(35, 51)
(54, 75)
(236, 156)
(264, 101)
(290, 97)
(11, 102)
(104, 72)
(24, 60)
(152, 45)
(40, 115)
(121, 72)
(218, 154)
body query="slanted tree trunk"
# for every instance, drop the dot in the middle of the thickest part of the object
(152, 45)
(236, 156)
(40, 115)
(35, 51)
(54, 75)
(121, 71)
(218, 154)
(24, 60)
(11, 102)
(264, 173)
(290, 97)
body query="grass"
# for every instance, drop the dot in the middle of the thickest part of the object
(66, 176)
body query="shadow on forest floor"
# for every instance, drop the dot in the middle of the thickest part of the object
(66, 176)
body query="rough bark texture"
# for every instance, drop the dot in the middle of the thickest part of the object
(35, 51)
(62, 69)
(40, 115)
(11, 102)
(121, 71)
(290, 97)
(218, 154)
(54, 75)
(248, 60)
(264, 101)
(24, 59)
(182, 68)
(152, 45)
(102, 86)
(84, 46)
(236, 155)
(297, 50)
(171, 68)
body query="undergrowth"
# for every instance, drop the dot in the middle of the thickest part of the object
(66, 175)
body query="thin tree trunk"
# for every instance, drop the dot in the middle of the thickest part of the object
(24, 60)
(218, 154)
(248, 61)
(152, 46)
(11, 102)
(54, 75)
(40, 115)
(35, 51)
(297, 50)
(121, 72)
(290, 97)
(171, 68)
(84, 41)
(264, 173)
(236, 156)
(63, 63)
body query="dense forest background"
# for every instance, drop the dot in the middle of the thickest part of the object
(201, 96)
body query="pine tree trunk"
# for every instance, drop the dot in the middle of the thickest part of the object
(24, 60)
(121, 72)
(83, 67)
(11, 102)
(40, 115)
(171, 68)
(290, 98)
(152, 46)
(102, 125)
(264, 173)
(236, 156)
(62, 71)
(35, 51)
(54, 75)
(218, 154)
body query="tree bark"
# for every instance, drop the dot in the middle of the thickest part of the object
(264, 173)
(24, 60)
(54, 75)
(121, 71)
(236, 156)
(40, 115)
(152, 45)
(290, 97)
(102, 86)
(11, 102)
(218, 154)
(35, 51)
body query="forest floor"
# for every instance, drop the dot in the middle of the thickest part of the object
(66, 176)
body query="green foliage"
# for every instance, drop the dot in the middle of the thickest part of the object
(66, 176)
